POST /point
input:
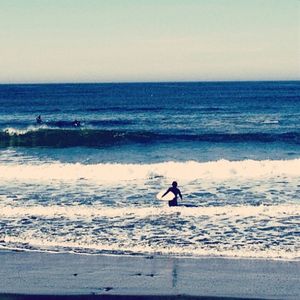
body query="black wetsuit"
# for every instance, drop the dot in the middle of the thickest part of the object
(173, 202)
(176, 192)
(39, 120)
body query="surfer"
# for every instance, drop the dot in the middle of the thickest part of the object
(76, 123)
(176, 191)
(39, 119)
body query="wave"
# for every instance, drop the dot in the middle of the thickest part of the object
(57, 245)
(115, 172)
(45, 136)
(85, 211)
(218, 231)
(154, 109)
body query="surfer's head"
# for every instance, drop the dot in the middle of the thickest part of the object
(174, 184)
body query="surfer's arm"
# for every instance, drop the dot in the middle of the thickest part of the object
(180, 195)
(165, 193)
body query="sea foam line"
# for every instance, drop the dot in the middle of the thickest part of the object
(84, 211)
(189, 170)
(18, 132)
(87, 246)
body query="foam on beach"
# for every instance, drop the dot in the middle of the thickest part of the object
(204, 231)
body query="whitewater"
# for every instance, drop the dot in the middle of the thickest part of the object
(233, 148)
(230, 208)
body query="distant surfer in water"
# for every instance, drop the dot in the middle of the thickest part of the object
(76, 123)
(176, 191)
(39, 119)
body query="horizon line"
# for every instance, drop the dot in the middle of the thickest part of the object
(143, 82)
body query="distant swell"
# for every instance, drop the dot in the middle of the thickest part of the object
(46, 137)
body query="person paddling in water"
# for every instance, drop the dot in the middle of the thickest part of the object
(176, 191)
(39, 119)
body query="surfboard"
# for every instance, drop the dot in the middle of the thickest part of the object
(168, 197)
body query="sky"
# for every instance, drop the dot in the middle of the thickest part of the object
(149, 40)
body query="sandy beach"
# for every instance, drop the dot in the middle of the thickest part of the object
(24, 274)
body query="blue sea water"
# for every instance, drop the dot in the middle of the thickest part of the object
(233, 147)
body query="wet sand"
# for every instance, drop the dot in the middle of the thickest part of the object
(35, 275)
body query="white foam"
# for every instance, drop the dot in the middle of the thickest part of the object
(87, 246)
(270, 122)
(235, 231)
(190, 170)
(85, 211)
(14, 131)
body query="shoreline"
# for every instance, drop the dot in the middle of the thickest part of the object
(154, 254)
(115, 297)
(25, 274)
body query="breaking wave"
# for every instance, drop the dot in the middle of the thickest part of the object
(67, 137)
(225, 231)
(189, 170)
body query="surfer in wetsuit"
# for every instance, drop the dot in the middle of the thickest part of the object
(76, 123)
(176, 191)
(39, 119)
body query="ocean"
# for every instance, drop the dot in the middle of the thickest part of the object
(233, 148)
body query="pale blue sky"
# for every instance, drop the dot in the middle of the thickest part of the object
(149, 40)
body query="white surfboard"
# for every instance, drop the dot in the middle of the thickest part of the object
(168, 197)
